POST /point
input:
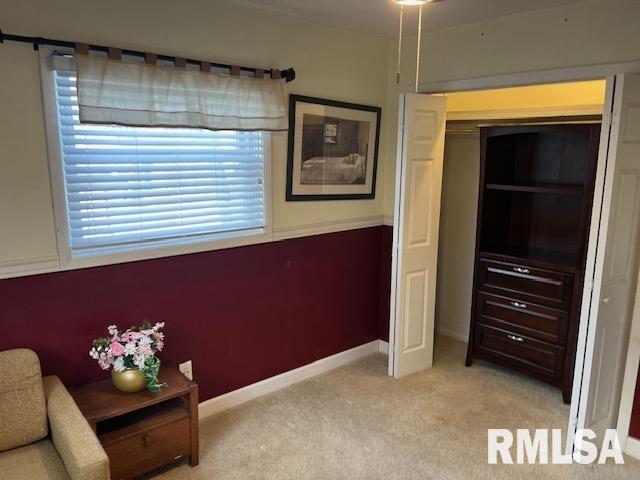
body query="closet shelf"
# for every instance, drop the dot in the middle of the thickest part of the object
(554, 188)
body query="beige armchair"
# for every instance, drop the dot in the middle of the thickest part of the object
(43, 435)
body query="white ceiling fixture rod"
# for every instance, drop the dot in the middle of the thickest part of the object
(402, 3)
(399, 45)
(418, 46)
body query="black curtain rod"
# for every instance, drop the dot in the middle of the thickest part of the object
(289, 74)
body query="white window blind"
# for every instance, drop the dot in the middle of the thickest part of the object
(129, 185)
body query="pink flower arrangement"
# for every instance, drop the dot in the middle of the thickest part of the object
(133, 348)
(116, 349)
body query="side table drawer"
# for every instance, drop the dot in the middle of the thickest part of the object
(148, 449)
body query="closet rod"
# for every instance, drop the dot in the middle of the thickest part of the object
(288, 74)
(470, 126)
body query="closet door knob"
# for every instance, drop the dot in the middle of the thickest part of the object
(519, 305)
(605, 300)
(515, 339)
(521, 270)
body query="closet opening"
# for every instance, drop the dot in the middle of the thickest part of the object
(517, 192)
(508, 246)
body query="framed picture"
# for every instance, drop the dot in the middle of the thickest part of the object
(333, 150)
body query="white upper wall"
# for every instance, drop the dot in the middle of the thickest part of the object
(330, 63)
(27, 230)
(584, 33)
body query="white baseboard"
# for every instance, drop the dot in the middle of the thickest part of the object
(453, 334)
(383, 347)
(244, 394)
(633, 448)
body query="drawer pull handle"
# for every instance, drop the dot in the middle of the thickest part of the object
(519, 305)
(515, 339)
(521, 270)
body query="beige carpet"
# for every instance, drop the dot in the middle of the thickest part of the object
(357, 423)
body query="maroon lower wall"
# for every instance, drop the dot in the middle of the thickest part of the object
(386, 244)
(242, 314)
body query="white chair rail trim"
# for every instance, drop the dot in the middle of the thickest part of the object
(35, 266)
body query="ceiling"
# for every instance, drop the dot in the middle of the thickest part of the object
(381, 17)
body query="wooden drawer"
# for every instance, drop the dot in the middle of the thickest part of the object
(521, 352)
(148, 449)
(524, 318)
(537, 285)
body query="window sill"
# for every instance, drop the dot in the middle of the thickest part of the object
(111, 256)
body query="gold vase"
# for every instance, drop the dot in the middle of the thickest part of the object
(129, 380)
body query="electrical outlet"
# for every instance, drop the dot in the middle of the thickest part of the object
(187, 369)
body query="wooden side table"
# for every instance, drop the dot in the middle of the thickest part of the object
(142, 431)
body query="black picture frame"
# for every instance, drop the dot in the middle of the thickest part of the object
(294, 100)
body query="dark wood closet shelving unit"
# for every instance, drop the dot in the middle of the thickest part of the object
(534, 210)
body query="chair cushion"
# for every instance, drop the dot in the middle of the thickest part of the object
(23, 410)
(38, 460)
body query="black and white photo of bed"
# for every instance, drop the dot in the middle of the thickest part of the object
(332, 150)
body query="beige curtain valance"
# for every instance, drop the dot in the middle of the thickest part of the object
(140, 94)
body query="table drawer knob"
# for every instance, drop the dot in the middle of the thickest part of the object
(515, 338)
(521, 270)
(146, 439)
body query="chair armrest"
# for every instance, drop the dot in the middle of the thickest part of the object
(72, 436)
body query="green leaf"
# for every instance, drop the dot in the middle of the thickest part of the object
(150, 369)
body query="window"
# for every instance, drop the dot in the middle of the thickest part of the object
(127, 188)
(330, 132)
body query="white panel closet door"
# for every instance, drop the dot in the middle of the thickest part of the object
(616, 271)
(415, 240)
